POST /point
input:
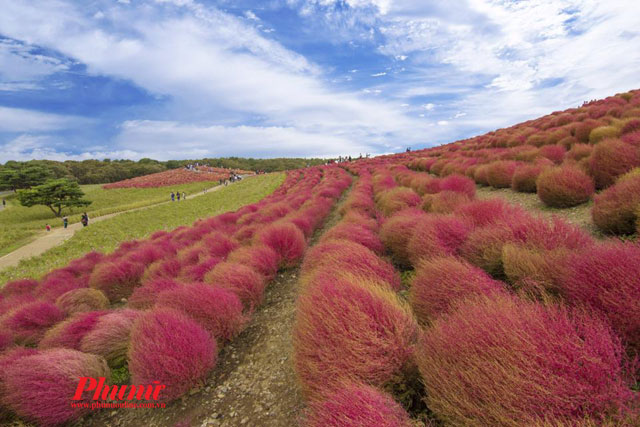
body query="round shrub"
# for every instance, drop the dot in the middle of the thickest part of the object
(261, 258)
(70, 332)
(436, 235)
(524, 178)
(580, 151)
(56, 283)
(286, 239)
(218, 244)
(425, 184)
(610, 159)
(483, 247)
(145, 296)
(347, 331)
(564, 187)
(480, 213)
(245, 282)
(39, 387)
(169, 347)
(29, 322)
(217, 310)
(81, 300)
(502, 360)
(459, 184)
(356, 233)
(196, 272)
(441, 281)
(117, 279)
(555, 153)
(500, 173)
(605, 278)
(615, 210)
(357, 405)
(18, 287)
(351, 258)
(444, 202)
(397, 199)
(109, 337)
(603, 132)
(396, 232)
(481, 173)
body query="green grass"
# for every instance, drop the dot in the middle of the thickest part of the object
(19, 225)
(105, 236)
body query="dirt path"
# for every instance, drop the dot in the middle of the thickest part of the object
(253, 384)
(57, 236)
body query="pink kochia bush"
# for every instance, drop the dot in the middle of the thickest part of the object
(18, 287)
(335, 257)
(261, 258)
(145, 296)
(500, 173)
(239, 279)
(564, 187)
(356, 233)
(397, 199)
(169, 347)
(459, 184)
(612, 158)
(109, 337)
(441, 282)
(606, 278)
(286, 239)
(437, 235)
(117, 279)
(357, 405)
(502, 360)
(70, 332)
(29, 323)
(348, 331)
(39, 387)
(81, 300)
(397, 231)
(217, 310)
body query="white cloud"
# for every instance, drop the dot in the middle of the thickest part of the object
(20, 120)
(379, 74)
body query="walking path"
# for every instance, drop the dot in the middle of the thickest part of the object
(57, 236)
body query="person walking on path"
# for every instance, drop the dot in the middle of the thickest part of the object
(178, 195)
(4, 203)
(48, 227)
(84, 219)
(65, 221)
(173, 197)
(184, 196)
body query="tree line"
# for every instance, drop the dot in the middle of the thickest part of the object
(24, 175)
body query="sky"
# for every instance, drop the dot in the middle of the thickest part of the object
(176, 79)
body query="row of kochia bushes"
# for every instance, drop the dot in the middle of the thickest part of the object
(564, 158)
(160, 307)
(511, 319)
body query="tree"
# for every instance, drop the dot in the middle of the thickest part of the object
(57, 194)
(23, 175)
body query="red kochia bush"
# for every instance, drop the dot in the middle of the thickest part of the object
(459, 184)
(261, 258)
(442, 281)
(169, 347)
(483, 247)
(56, 283)
(39, 387)
(217, 310)
(356, 233)
(396, 232)
(117, 279)
(437, 235)
(286, 239)
(502, 360)
(240, 279)
(610, 159)
(83, 299)
(491, 211)
(444, 202)
(564, 187)
(218, 244)
(18, 287)
(615, 210)
(145, 296)
(607, 278)
(357, 405)
(29, 322)
(343, 256)
(500, 173)
(109, 337)
(196, 272)
(524, 178)
(347, 331)
(70, 332)
(555, 153)
(397, 199)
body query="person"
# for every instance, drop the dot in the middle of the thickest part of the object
(84, 219)
(65, 221)
(48, 227)
(178, 195)
(184, 196)
(173, 197)
(4, 203)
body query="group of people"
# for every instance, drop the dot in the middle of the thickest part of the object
(176, 195)
(84, 220)
(343, 159)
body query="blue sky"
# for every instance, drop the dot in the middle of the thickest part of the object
(173, 79)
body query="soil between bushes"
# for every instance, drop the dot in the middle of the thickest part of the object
(253, 384)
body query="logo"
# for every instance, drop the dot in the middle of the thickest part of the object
(101, 391)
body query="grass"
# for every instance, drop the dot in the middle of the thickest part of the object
(105, 236)
(19, 225)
